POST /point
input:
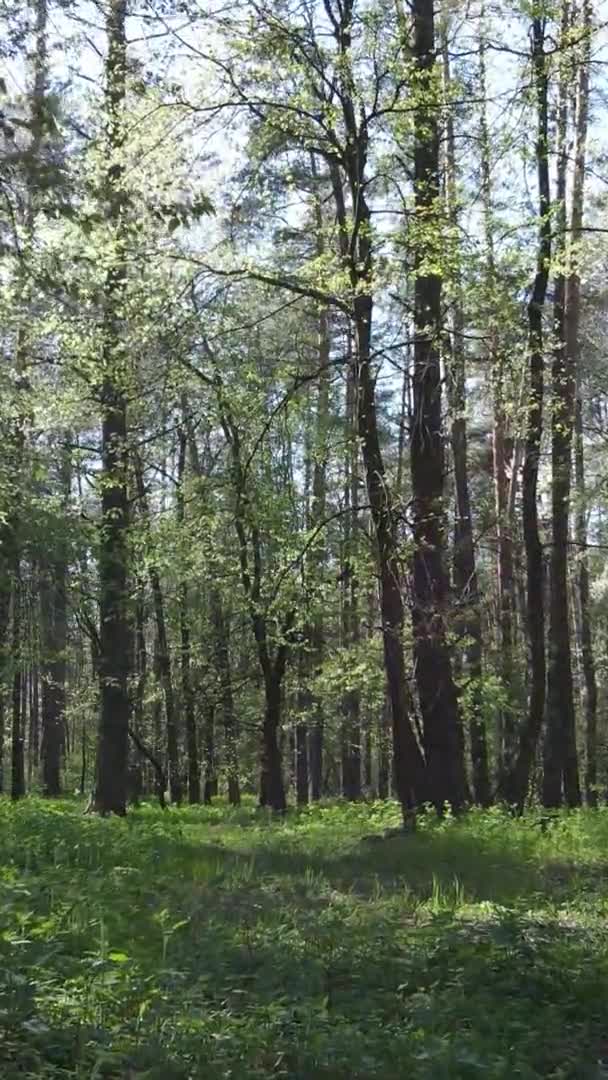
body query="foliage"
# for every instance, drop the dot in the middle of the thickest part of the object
(216, 943)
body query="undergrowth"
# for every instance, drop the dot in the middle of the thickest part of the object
(219, 944)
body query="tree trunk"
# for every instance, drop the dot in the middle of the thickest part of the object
(34, 734)
(356, 252)
(272, 791)
(409, 763)
(5, 603)
(210, 786)
(141, 658)
(111, 783)
(164, 656)
(573, 288)
(319, 492)
(194, 780)
(17, 719)
(501, 457)
(351, 704)
(561, 762)
(384, 765)
(517, 781)
(17, 732)
(54, 630)
(224, 669)
(465, 568)
(301, 752)
(587, 654)
(53, 683)
(436, 689)
(223, 665)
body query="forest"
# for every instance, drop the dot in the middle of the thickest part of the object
(303, 539)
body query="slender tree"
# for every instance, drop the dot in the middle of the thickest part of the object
(583, 30)
(517, 780)
(115, 629)
(561, 764)
(465, 561)
(194, 780)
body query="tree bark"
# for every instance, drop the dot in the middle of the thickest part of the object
(351, 703)
(5, 604)
(53, 681)
(501, 455)
(572, 334)
(272, 790)
(141, 657)
(316, 632)
(357, 255)
(384, 764)
(164, 655)
(561, 762)
(194, 780)
(112, 752)
(517, 780)
(34, 725)
(436, 689)
(17, 725)
(54, 629)
(465, 566)
(223, 665)
(210, 786)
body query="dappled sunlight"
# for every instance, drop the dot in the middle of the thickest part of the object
(202, 939)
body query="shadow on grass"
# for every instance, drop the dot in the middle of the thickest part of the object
(350, 961)
(485, 870)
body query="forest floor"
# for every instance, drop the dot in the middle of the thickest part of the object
(214, 944)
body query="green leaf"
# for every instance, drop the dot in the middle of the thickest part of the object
(118, 957)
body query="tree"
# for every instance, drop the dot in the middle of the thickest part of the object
(436, 689)
(516, 782)
(115, 630)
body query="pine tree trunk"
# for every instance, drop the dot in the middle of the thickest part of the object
(436, 689)
(111, 782)
(54, 629)
(5, 602)
(53, 683)
(351, 704)
(573, 288)
(17, 726)
(34, 738)
(587, 653)
(561, 762)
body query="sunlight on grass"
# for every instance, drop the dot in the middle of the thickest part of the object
(213, 943)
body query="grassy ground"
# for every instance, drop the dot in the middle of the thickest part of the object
(215, 944)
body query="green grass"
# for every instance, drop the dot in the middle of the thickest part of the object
(218, 944)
